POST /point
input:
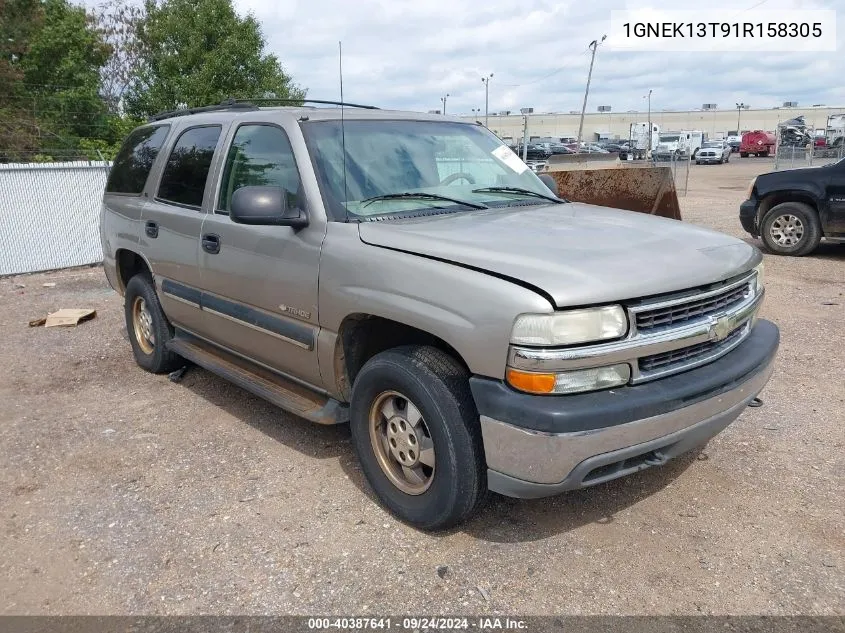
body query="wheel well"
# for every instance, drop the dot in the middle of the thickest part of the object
(129, 264)
(362, 336)
(775, 199)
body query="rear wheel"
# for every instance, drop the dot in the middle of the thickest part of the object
(148, 327)
(743, 155)
(791, 228)
(416, 432)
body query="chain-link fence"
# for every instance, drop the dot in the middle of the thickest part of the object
(49, 215)
(679, 164)
(793, 157)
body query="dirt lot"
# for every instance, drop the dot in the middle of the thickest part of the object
(124, 493)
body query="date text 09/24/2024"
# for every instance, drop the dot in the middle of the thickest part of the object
(417, 624)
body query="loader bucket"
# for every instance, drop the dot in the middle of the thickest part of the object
(604, 180)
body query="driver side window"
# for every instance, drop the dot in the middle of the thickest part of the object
(459, 160)
(260, 155)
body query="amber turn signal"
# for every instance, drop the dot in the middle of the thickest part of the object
(530, 382)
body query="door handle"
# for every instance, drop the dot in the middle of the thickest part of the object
(151, 229)
(211, 243)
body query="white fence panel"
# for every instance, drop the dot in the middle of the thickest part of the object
(49, 215)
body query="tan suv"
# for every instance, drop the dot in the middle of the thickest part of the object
(408, 274)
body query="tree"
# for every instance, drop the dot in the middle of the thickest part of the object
(199, 52)
(61, 74)
(117, 21)
(19, 19)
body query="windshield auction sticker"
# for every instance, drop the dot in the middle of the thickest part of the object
(723, 30)
(505, 154)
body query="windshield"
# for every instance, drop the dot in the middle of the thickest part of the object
(450, 162)
(669, 139)
(712, 144)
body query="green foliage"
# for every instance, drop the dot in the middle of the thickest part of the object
(199, 52)
(74, 83)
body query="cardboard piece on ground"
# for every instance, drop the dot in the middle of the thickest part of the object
(69, 317)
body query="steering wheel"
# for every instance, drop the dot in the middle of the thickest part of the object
(448, 180)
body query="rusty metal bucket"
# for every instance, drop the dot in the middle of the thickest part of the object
(604, 180)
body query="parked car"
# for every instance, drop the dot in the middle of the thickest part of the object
(476, 331)
(735, 141)
(792, 210)
(713, 152)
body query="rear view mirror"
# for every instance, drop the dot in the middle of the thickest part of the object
(265, 206)
(550, 182)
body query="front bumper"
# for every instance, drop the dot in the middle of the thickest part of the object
(748, 216)
(543, 445)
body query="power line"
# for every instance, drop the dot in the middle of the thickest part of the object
(551, 74)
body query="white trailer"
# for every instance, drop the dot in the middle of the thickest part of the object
(638, 140)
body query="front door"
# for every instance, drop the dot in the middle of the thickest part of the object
(171, 222)
(260, 282)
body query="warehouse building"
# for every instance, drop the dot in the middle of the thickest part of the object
(717, 123)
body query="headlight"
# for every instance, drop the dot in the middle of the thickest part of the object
(570, 327)
(570, 381)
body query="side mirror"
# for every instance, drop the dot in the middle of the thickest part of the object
(550, 182)
(265, 206)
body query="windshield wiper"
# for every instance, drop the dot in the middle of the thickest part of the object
(420, 195)
(517, 190)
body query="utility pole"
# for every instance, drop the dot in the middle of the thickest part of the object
(443, 100)
(593, 45)
(486, 82)
(739, 107)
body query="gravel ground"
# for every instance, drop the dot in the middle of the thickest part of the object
(124, 493)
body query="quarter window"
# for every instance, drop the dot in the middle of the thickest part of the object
(186, 171)
(260, 155)
(135, 159)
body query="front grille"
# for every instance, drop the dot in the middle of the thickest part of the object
(688, 355)
(650, 320)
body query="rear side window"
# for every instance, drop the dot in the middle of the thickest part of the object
(186, 171)
(135, 159)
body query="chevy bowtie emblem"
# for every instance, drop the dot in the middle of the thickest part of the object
(720, 328)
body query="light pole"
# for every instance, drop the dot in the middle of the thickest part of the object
(593, 45)
(443, 101)
(486, 82)
(739, 107)
(650, 137)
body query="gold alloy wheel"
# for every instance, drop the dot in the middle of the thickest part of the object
(402, 442)
(142, 322)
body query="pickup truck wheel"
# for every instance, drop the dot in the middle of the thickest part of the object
(415, 429)
(791, 228)
(148, 328)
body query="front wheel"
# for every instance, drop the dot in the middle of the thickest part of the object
(415, 430)
(791, 228)
(743, 155)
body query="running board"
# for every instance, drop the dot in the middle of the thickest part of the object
(262, 382)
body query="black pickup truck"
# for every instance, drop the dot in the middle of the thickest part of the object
(792, 210)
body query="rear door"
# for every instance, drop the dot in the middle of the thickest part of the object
(260, 282)
(172, 219)
(836, 199)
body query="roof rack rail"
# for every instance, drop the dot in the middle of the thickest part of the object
(298, 101)
(229, 104)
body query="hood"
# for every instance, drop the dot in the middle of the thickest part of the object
(578, 254)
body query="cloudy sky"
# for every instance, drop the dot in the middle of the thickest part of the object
(409, 53)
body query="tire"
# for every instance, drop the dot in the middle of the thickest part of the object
(743, 155)
(451, 489)
(785, 219)
(697, 162)
(728, 158)
(151, 355)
